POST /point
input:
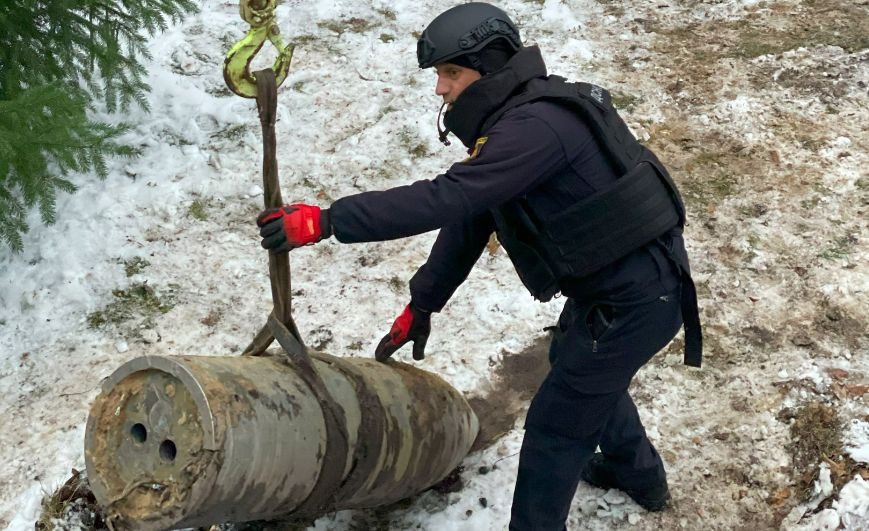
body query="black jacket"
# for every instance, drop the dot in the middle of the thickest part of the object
(541, 150)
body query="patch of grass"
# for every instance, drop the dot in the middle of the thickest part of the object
(753, 240)
(675, 39)
(175, 139)
(699, 47)
(821, 28)
(755, 43)
(625, 101)
(810, 203)
(386, 37)
(384, 111)
(753, 210)
(610, 7)
(138, 300)
(412, 144)
(232, 133)
(825, 22)
(353, 25)
(862, 183)
(712, 179)
(387, 13)
(219, 91)
(396, 284)
(840, 248)
(302, 40)
(135, 265)
(197, 211)
(297, 86)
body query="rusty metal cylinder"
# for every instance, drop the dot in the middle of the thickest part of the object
(187, 441)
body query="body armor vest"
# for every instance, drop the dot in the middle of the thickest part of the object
(641, 206)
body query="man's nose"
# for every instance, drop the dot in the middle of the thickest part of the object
(442, 88)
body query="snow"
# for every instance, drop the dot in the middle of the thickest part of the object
(848, 512)
(857, 440)
(557, 15)
(345, 104)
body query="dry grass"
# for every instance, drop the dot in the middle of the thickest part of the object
(73, 496)
(353, 25)
(700, 49)
(816, 437)
(138, 300)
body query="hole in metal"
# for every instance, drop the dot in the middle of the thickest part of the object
(168, 450)
(139, 433)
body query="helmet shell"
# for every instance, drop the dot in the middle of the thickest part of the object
(464, 29)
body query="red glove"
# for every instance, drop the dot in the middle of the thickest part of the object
(414, 324)
(292, 226)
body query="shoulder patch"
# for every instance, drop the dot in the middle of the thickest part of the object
(478, 145)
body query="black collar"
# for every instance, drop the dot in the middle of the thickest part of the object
(487, 94)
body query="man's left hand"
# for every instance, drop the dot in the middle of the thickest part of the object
(414, 324)
(292, 226)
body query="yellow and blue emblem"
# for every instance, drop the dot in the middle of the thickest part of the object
(478, 145)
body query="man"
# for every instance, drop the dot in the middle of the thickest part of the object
(581, 208)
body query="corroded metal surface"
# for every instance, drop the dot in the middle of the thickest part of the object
(190, 441)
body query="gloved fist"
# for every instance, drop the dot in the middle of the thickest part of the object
(292, 226)
(414, 324)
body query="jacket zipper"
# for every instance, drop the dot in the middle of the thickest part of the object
(606, 326)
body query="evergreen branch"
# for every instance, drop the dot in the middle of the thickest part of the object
(47, 127)
(57, 58)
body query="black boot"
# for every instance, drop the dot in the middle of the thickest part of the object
(600, 472)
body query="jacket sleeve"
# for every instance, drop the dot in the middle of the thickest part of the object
(453, 255)
(521, 151)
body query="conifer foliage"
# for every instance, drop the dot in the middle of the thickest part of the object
(58, 59)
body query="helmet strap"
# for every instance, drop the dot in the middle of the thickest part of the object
(442, 133)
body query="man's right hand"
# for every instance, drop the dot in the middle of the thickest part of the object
(414, 324)
(290, 226)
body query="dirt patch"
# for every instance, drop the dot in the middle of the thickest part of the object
(452, 483)
(834, 320)
(514, 384)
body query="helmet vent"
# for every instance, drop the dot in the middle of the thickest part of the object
(486, 29)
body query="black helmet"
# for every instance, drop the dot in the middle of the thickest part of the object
(464, 29)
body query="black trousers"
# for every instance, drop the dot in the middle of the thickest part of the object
(584, 403)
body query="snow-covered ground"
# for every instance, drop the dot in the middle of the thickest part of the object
(759, 108)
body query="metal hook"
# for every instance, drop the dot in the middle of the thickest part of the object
(260, 14)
